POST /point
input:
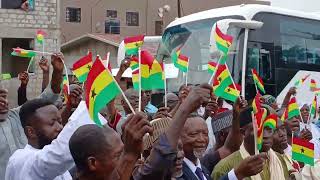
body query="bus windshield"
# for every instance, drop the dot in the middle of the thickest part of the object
(194, 39)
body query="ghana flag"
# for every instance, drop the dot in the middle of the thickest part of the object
(256, 103)
(40, 36)
(258, 81)
(293, 108)
(180, 61)
(313, 110)
(152, 76)
(260, 117)
(23, 53)
(223, 41)
(212, 66)
(100, 89)
(303, 151)
(82, 67)
(134, 64)
(65, 88)
(132, 44)
(221, 80)
(313, 85)
(299, 82)
(231, 93)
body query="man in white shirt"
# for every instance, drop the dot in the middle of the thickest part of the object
(54, 159)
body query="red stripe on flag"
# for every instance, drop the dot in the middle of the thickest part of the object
(256, 74)
(212, 64)
(303, 143)
(96, 69)
(134, 39)
(183, 58)
(222, 35)
(82, 61)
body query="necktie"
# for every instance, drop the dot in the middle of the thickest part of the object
(199, 173)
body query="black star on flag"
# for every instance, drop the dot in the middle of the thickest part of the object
(228, 89)
(89, 67)
(302, 150)
(93, 94)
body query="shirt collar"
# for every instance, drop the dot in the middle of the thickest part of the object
(191, 165)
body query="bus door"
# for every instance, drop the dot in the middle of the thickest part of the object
(260, 57)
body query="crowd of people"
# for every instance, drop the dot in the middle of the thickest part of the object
(198, 136)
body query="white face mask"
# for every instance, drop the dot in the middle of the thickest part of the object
(199, 152)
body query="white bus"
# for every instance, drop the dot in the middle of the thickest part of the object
(288, 41)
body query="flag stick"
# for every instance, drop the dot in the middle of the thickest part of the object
(165, 84)
(43, 48)
(213, 74)
(108, 58)
(187, 73)
(308, 122)
(255, 130)
(140, 95)
(38, 52)
(31, 61)
(122, 93)
(65, 68)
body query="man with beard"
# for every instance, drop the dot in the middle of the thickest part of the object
(41, 121)
(271, 169)
(165, 160)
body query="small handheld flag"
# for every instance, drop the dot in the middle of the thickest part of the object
(223, 41)
(101, 88)
(313, 85)
(299, 82)
(302, 151)
(313, 110)
(258, 81)
(82, 67)
(132, 44)
(180, 61)
(293, 108)
(212, 66)
(40, 36)
(284, 116)
(256, 103)
(23, 53)
(65, 88)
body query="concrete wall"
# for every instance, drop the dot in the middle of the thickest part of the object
(21, 24)
(96, 47)
(95, 10)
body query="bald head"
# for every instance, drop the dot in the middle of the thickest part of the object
(92, 143)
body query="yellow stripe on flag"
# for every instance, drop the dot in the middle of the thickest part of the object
(182, 63)
(145, 73)
(82, 70)
(307, 152)
(156, 68)
(101, 81)
(134, 44)
(221, 41)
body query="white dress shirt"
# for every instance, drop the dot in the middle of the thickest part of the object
(54, 160)
(193, 167)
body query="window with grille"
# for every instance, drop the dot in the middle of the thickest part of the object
(112, 14)
(73, 14)
(132, 18)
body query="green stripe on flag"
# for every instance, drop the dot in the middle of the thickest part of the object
(302, 158)
(103, 98)
(222, 48)
(132, 51)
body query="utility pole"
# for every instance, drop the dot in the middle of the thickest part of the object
(179, 8)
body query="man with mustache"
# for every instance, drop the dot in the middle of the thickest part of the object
(165, 160)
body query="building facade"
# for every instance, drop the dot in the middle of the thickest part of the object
(18, 29)
(129, 17)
